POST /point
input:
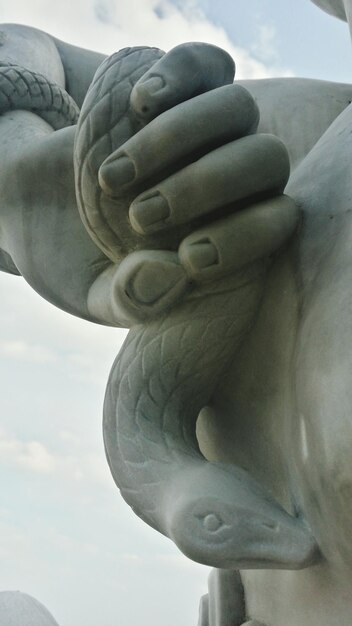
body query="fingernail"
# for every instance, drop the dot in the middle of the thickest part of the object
(202, 254)
(154, 282)
(142, 98)
(149, 214)
(152, 85)
(116, 173)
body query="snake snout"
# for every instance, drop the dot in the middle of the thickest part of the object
(282, 542)
(226, 520)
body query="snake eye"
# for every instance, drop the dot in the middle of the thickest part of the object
(212, 523)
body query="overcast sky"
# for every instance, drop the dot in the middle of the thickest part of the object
(66, 536)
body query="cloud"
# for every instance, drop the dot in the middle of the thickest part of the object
(265, 47)
(13, 541)
(108, 25)
(24, 351)
(34, 331)
(104, 11)
(30, 456)
(34, 456)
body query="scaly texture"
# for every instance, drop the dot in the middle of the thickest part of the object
(168, 369)
(165, 373)
(21, 88)
(105, 123)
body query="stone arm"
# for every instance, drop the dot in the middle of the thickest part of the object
(298, 110)
(41, 233)
(79, 66)
(23, 134)
(42, 236)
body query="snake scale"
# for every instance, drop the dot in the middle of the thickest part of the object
(168, 368)
(21, 88)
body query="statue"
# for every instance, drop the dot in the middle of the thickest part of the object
(236, 293)
(20, 609)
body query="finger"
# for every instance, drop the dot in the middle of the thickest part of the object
(225, 597)
(253, 165)
(204, 611)
(205, 122)
(232, 243)
(185, 71)
(145, 284)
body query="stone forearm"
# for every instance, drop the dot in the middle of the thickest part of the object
(40, 225)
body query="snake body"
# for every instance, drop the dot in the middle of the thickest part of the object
(168, 368)
(21, 88)
(164, 375)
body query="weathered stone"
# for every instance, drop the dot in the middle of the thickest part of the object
(20, 609)
(232, 271)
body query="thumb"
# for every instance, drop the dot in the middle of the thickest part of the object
(144, 285)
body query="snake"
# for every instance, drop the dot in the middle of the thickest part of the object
(169, 367)
(21, 88)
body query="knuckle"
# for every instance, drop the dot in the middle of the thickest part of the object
(246, 104)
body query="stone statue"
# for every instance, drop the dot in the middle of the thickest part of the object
(163, 377)
(20, 609)
(237, 295)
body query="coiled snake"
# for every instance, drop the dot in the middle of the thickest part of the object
(169, 367)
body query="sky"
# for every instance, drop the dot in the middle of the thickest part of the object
(66, 536)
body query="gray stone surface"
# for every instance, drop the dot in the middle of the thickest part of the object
(333, 7)
(225, 602)
(233, 273)
(20, 609)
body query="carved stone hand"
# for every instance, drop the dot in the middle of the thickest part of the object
(169, 366)
(156, 158)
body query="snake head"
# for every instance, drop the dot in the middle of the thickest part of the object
(225, 519)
